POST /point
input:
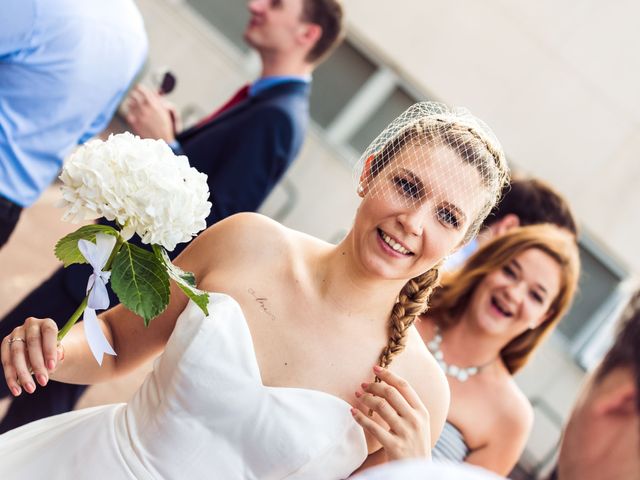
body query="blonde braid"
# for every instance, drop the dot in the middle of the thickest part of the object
(412, 301)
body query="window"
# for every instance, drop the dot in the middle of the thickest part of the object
(337, 80)
(394, 105)
(601, 296)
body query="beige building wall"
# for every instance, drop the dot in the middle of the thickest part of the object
(558, 82)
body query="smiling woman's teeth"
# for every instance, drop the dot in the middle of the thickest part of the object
(496, 304)
(393, 244)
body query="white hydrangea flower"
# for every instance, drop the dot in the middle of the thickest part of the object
(141, 184)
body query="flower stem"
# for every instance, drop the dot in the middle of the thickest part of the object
(73, 319)
(76, 315)
(114, 252)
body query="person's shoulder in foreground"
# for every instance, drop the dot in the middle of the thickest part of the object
(426, 469)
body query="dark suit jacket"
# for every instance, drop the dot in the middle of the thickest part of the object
(244, 151)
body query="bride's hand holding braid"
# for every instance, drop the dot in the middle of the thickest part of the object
(408, 434)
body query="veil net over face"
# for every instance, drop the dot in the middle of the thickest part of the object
(442, 160)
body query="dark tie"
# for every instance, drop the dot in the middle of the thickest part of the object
(238, 97)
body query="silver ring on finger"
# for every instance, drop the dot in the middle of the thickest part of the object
(17, 339)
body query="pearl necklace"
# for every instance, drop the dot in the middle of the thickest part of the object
(459, 373)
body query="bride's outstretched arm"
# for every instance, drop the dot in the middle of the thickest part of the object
(33, 345)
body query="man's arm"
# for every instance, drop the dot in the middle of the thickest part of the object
(151, 116)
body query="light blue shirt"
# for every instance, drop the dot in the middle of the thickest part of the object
(456, 260)
(265, 83)
(64, 68)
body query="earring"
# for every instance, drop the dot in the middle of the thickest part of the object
(360, 190)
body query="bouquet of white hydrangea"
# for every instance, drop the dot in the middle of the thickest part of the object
(147, 190)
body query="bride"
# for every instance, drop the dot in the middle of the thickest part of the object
(263, 386)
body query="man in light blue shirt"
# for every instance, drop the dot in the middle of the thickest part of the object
(64, 68)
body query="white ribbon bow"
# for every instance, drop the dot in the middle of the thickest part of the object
(97, 255)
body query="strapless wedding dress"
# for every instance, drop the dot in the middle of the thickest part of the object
(202, 413)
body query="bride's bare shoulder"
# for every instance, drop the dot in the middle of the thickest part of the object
(244, 238)
(248, 249)
(244, 222)
(246, 231)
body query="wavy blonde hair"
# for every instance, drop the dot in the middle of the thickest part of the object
(450, 302)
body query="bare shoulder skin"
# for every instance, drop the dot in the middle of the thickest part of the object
(500, 436)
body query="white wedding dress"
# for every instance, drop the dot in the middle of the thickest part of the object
(202, 413)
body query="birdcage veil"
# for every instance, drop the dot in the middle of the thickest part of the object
(435, 152)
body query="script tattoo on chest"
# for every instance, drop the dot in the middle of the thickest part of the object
(262, 303)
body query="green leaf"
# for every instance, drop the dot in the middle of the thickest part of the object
(67, 247)
(140, 281)
(185, 280)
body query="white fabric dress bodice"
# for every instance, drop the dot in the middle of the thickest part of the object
(203, 412)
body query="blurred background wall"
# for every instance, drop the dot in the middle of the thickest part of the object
(557, 81)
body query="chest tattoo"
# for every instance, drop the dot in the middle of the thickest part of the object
(262, 303)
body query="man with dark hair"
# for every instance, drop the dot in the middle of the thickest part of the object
(525, 201)
(602, 438)
(244, 147)
(328, 15)
(530, 201)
